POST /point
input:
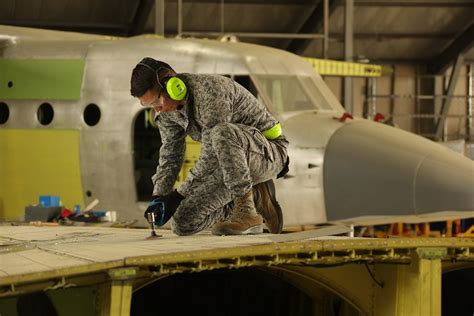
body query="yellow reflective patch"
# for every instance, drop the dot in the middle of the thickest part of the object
(273, 133)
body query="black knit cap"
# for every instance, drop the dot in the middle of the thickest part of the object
(155, 64)
(144, 76)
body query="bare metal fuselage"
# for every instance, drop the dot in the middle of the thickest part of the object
(356, 171)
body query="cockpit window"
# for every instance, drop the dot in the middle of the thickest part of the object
(315, 93)
(292, 93)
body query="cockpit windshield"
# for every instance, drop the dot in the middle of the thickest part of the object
(292, 93)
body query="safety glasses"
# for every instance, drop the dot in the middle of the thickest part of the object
(151, 103)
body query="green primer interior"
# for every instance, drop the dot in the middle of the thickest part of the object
(50, 79)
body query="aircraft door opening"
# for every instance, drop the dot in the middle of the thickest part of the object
(146, 147)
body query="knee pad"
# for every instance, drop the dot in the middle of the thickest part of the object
(179, 229)
(187, 221)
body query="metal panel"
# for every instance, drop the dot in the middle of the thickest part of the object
(74, 251)
(375, 170)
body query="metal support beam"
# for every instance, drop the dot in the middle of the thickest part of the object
(254, 35)
(180, 18)
(222, 16)
(413, 289)
(120, 298)
(470, 96)
(348, 53)
(313, 24)
(349, 30)
(416, 4)
(326, 30)
(417, 100)
(393, 78)
(438, 98)
(141, 16)
(449, 96)
(373, 100)
(160, 17)
(365, 106)
(380, 36)
(458, 47)
(86, 27)
(115, 297)
(368, 3)
(255, 2)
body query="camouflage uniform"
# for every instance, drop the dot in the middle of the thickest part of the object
(228, 121)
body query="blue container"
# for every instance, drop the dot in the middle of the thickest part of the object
(77, 209)
(49, 200)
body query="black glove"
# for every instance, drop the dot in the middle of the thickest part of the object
(163, 207)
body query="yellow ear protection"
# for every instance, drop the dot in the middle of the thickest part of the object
(174, 86)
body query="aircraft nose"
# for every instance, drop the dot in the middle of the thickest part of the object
(374, 170)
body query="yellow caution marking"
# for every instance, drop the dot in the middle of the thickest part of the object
(327, 67)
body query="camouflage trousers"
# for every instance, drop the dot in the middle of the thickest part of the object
(239, 157)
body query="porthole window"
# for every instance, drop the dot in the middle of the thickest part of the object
(4, 113)
(45, 113)
(92, 114)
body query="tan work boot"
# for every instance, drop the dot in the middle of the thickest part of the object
(244, 219)
(267, 206)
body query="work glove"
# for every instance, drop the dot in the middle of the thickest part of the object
(163, 207)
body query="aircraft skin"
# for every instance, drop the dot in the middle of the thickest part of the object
(353, 171)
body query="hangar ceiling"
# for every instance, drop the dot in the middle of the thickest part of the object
(429, 32)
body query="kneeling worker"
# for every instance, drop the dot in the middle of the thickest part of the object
(242, 148)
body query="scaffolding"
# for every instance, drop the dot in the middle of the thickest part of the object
(431, 110)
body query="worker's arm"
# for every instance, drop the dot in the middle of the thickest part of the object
(214, 108)
(162, 208)
(171, 155)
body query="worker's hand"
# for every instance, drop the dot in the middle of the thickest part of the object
(163, 207)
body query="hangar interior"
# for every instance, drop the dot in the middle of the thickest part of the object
(423, 55)
(418, 41)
